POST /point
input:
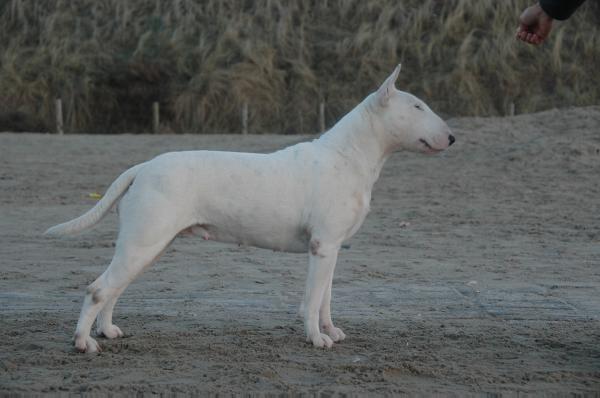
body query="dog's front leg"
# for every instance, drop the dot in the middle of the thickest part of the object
(322, 259)
(336, 334)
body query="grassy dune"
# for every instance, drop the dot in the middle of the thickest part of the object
(108, 60)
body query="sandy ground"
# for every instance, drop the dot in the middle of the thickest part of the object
(477, 271)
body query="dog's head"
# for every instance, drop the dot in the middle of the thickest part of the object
(410, 123)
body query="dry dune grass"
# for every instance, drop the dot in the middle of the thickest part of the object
(108, 60)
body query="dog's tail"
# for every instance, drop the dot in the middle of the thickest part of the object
(116, 190)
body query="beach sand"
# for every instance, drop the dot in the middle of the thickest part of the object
(476, 271)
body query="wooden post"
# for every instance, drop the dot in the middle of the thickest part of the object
(301, 120)
(245, 118)
(322, 116)
(59, 116)
(511, 109)
(155, 118)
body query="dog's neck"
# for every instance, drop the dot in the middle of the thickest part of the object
(359, 136)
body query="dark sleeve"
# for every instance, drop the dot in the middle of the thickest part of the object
(560, 9)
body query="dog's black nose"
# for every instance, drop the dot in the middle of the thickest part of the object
(451, 139)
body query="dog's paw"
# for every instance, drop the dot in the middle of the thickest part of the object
(336, 334)
(320, 340)
(110, 332)
(87, 344)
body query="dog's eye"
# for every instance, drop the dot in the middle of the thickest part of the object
(419, 107)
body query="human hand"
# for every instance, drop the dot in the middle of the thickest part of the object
(535, 25)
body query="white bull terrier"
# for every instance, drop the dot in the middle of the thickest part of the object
(309, 197)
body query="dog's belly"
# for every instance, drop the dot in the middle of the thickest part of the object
(293, 240)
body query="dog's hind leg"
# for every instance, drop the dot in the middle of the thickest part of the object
(102, 294)
(104, 325)
(146, 231)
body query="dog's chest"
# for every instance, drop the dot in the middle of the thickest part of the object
(360, 208)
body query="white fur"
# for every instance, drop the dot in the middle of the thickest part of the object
(309, 197)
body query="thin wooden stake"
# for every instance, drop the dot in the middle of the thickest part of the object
(245, 118)
(59, 116)
(322, 116)
(155, 118)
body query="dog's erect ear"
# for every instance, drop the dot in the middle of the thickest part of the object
(387, 88)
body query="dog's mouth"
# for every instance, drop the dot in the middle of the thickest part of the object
(428, 147)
